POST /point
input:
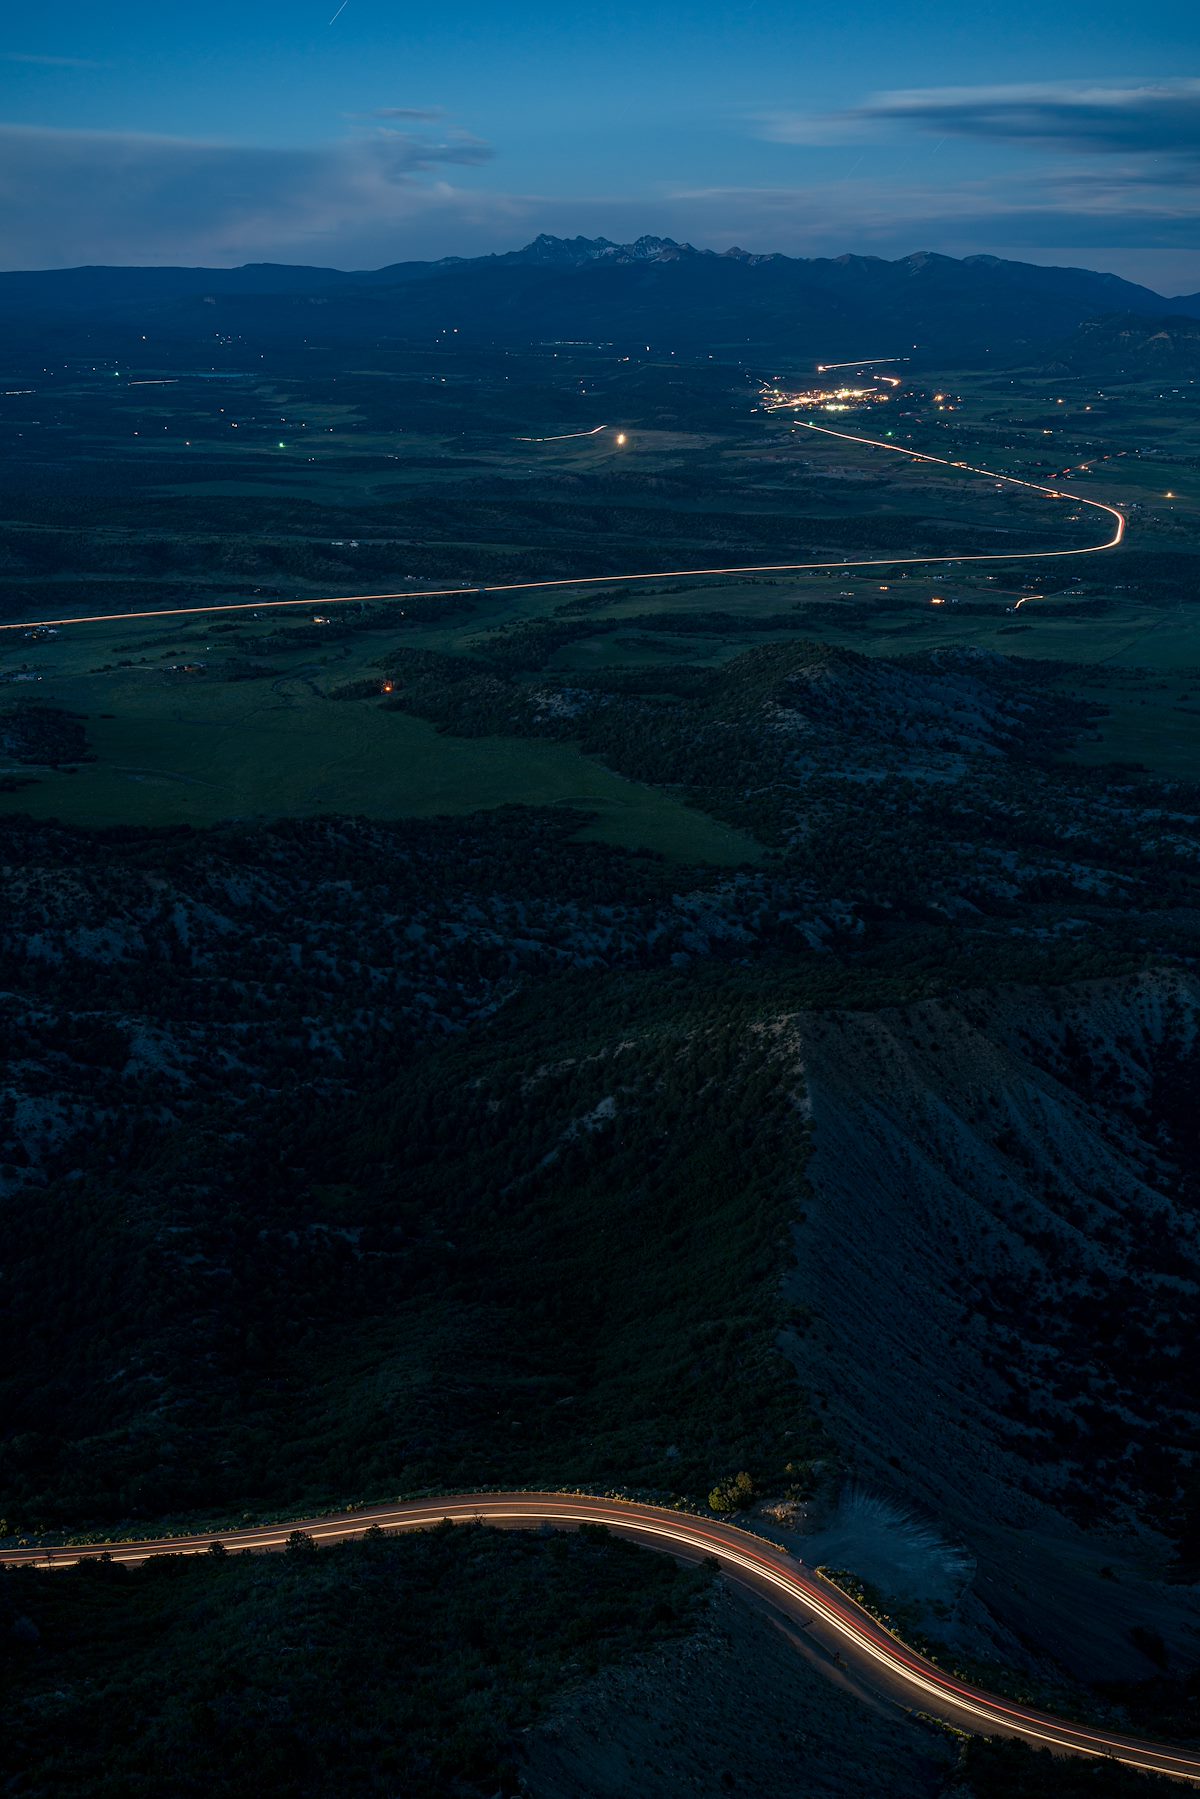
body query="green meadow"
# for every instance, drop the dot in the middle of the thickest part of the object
(417, 474)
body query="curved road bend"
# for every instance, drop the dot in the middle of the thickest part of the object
(862, 1645)
(659, 574)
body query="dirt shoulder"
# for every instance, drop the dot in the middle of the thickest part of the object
(745, 1705)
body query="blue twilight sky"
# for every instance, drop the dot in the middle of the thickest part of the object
(242, 130)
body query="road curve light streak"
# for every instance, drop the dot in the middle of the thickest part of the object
(861, 1640)
(564, 436)
(656, 574)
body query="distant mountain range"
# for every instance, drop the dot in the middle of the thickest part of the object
(655, 290)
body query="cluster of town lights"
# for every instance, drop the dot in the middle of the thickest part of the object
(819, 399)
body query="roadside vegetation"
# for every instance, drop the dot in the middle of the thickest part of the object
(549, 1254)
(994, 1769)
(446, 1663)
(393, 1665)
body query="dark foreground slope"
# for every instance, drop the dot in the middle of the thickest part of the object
(1130, 346)
(745, 1706)
(344, 1160)
(456, 1665)
(1027, 1161)
(347, 1159)
(382, 1667)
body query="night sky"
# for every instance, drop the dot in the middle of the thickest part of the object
(245, 130)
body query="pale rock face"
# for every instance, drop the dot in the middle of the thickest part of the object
(999, 1254)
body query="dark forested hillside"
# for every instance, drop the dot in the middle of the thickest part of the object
(592, 288)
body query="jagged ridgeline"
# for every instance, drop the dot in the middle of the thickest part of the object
(593, 289)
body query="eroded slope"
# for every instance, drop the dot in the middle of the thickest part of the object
(1002, 1262)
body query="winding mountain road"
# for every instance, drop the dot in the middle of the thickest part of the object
(658, 574)
(862, 1649)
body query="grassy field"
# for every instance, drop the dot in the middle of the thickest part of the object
(280, 484)
(1158, 732)
(174, 753)
(1130, 633)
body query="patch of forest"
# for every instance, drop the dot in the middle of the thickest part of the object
(390, 1665)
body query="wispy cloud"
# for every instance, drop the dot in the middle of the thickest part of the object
(413, 114)
(1134, 118)
(79, 196)
(980, 214)
(52, 62)
(1118, 162)
(815, 128)
(402, 182)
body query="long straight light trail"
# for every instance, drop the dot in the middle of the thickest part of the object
(751, 1562)
(657, 574)
(864, 362)
(562, 437)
